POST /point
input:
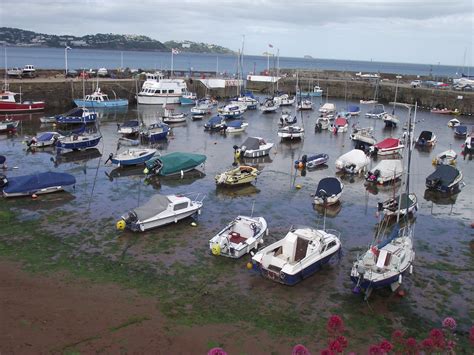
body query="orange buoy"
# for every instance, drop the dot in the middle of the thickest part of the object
(34, 196)
(401, 293)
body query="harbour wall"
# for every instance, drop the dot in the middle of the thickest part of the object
(59, 92)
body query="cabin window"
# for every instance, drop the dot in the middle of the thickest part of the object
(330, 245)
(180, 206)
(4, 97)
(171, 91)
(158, 91)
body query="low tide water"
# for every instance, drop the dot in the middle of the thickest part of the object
(441, 284)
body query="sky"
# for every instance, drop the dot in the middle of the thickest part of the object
(408, 31)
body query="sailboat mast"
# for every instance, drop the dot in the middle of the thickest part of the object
(410, 134)
(6, 69)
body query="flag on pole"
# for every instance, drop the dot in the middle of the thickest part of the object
(174, 51)
(270, 45)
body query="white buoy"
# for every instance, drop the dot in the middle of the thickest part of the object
(400, 279)
(411, 269)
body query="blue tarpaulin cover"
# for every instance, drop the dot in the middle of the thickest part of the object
(331, 185)
(29, 184)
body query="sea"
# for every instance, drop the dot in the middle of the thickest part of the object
(78, 59)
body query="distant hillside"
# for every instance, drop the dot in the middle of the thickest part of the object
(18, 37)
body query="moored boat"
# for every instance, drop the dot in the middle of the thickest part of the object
(239, 237)
(129, 127)
(426, 139)
(155, 131)
(170, 117)
(386, 171)
(400, 205)
(44, 139)
(9, 104)
(390, 120)
(353, 110)
(291, 132)
(157, 91)
(352, 162)
(236, 126)
(377, 112)
(327, 108)
(8, 125)
(460, 131)
(269, 106)
(448, 157)
(305, 105)
(328, 192)
(35, 184)
(387, 146)
(99, 99)
(132, 156)
(445, 178)
(176, 163)
(232, 110)
(287, 119)
(254, 147)
(77, 115)
(363, 135)
(215, 123)
(79, 141)
(312, 161)
(454, 122)
(240, 175)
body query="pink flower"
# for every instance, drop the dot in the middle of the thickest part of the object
(335, 324)
(449, 323)
(343, 341)
(386, 346)
(471, 335)
(375, 350)
(334, 345)
(327, 352)
(216, 351)
(427, 344)
(411, 344)
(451, 345)
(300, 350)
(436, 334)
(397, 335)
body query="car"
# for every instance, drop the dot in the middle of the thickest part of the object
(72, 74)
(415, 83)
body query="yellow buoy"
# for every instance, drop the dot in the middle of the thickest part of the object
(237, 154)
(249, 265)
(120, 225)
(145, 171)
(194, 224)
(298, 186)
(216, 249)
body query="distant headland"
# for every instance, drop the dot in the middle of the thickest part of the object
(24, 38)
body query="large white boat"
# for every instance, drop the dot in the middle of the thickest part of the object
(157, 91)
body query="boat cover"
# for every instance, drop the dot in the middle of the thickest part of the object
(445, 174)
(46, 136)
(387, 168)
(393, 234)
(406, 201)
(377, 110)
(235, 124)
(388, 143)
(460, 130)
(355, 156)
(340, 121)
(175, 162)
(331, 185)
(154, 206)
(34, 182)
(426, 135)
(214, 121)
(251, 143)
(133, 123)
(353, 108)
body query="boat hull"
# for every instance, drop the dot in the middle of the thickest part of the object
(91, 118)
(158, 100)
(134, 161)
(78, 145)
(101, 104)
(150, 224)
(9, 107)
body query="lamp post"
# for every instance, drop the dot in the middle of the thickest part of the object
(65, 59)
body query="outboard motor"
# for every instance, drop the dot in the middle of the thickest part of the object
(3, 181)
(33, 140)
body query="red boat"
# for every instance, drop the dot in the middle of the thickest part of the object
(387, 146)
(444, 111)
(8, 104)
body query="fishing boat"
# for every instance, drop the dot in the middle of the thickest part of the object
(341, 124)
(129, 127)
(291, 132)
(408, 204)
(176, 163)
(132, 156)
(390, 120)
(426, 139)
(254, 147)
(284, 100)
(269, 106)
(79, 141)
(215, 123)
(312, 161)
(460, 131)
(155, 131)
(377, 112)
(445, 178)
(157, 91)
(305, 105)
(99, 99)
(77, 115)
(454, 122)
(159, 211)
(363, 135)
(315, 92)
(387, 171)
(170, 117)
(388, 146)
(443, 111)
(329, 191)
(287, 119)
(232, 110)
(353, 110)
(301, 253)
(35, 184)
(327, 108)
(9, 104)
(322, 123)
(352, 162)
(43, 139)
(8, 125)
(240, 175)
(188, 98)
(448, 157)
(237, 126)
(239, 237)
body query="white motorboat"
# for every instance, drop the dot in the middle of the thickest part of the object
(132, 156)
(269, 106)
(129, 127)
(387, 171)
(170, 117)
(390, 120)
(408, 204)
(236, 126)
(353, 162)
(328, 108)
(287, 119)
(158, 211)
(363, 135)
(377, 112)
(388, 146)
(454, 123)
(323, 122)
(305, 105)
(301, 253)
(341, 124)
(239, 237)
(284, 100)
(157, 91)
(44, 139)
(249, 101)
(255, 147)
(234, 110)
(291, 132)
(328, 192)
(426, 139)
(448, 157)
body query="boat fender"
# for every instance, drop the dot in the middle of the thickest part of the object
(400, 278)
(282, 275)
(216, 249)
(411, 269)
(120, 225)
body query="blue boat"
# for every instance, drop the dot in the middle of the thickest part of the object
(298, 255)
(312, 161)
(79, 142)
(156, 131)
(353, 110)
(99, 99)
(39, 183)
(184, 100)
(215, 123)
(460, 131)
(132, 156)
(129, 127)
(77, 115)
